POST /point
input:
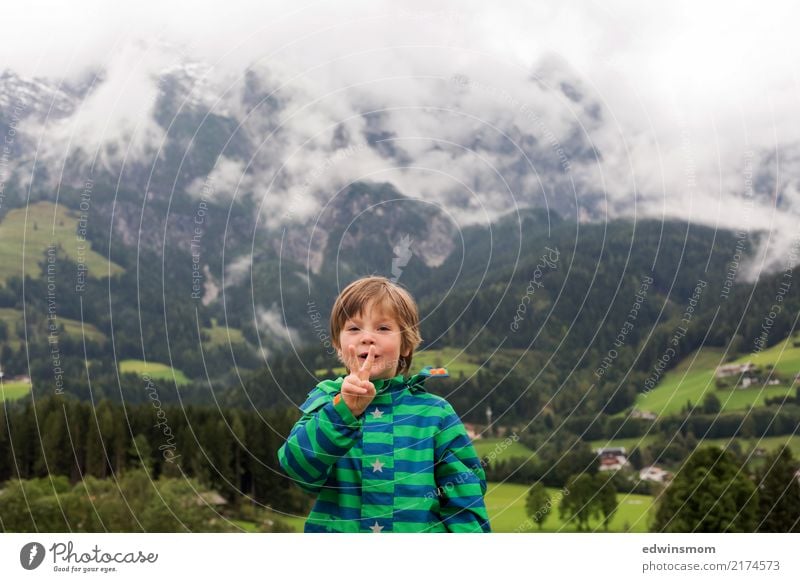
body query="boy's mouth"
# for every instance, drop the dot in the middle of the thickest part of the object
(364, 356)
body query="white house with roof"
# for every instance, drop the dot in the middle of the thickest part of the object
(654, 473)
(728, 370)
(612, 458)
(643, 414)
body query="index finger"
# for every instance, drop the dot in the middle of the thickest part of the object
(353, 360)
(363, 372)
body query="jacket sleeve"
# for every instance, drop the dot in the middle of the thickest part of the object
(460, 478)
(326, 432)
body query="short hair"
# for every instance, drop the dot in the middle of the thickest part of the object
(382, 292)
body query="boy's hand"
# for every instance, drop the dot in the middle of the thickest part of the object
(357, 390)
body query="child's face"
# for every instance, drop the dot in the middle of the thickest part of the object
(378, 327)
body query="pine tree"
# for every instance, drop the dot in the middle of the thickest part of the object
(581, 504)
(711, 404)
(779, 494)
(606, 497)
(710, 493)
(537, 504)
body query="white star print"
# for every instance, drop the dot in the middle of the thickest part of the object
(376, 528)
(377, 466)
(377, 413)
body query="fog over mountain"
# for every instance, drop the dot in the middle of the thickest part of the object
(595, 111)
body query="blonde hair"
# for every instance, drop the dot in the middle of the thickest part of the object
(379, 291)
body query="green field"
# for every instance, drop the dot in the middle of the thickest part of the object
(783, 355)
(46, 224)
(747, 444)
(454, 360)
(693, 378)
(220, 335)
(155, 370)
(13, 317)
(766, 443)
(501, 449)
(74, 327)
(14, 390)
(506, 505)
(449, 358)
(629, 443)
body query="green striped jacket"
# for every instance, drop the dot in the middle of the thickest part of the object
(405, 465)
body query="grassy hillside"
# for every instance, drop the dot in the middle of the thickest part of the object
(747, 444)
(499, 449)
(13, 317)
(783, 355)
(155, 370)
(628, 443)
(766, 443)
(33, 229)
(693, 377)
(221, 335)
(13, 390)
(506, 505)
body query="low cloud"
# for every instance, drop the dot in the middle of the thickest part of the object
(599, 111)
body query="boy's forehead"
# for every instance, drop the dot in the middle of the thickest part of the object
(375, 309)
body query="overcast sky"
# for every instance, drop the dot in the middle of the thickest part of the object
(689, 91)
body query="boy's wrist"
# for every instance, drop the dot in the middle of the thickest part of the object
(348, 416)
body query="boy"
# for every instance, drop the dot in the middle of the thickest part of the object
(380, 453)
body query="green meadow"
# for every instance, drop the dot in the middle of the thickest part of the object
(155, 370)
(693, 378)
(505, 503)
(14, 317)
(501, 449)
(783, 355)
(772, 443)
(33, 229)
(14, 390)
(629, 443)
(221, 335)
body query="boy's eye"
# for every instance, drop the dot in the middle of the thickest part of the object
(384, 328)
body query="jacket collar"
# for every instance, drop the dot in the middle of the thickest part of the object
(384, 385)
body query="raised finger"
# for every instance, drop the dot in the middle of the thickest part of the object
(353, 359)
(363, 373)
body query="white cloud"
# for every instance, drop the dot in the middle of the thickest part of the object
(238, 270)
(684, 92)
(272, 322)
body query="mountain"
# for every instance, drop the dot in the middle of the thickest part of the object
(240, 202)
